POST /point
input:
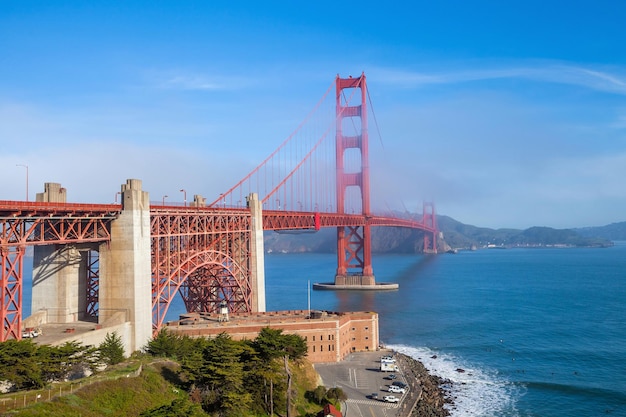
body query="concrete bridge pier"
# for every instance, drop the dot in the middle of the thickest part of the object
(257, 253)
(57, 270)
(125, 289)
(59, 283)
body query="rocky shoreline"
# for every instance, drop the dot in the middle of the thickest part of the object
(428, 398)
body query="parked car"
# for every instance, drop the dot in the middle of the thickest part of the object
(373, 396)
(396, 389)
(391, 399)
(391, 376)
(399, 384)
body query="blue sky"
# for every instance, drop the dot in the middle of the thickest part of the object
(504, 114)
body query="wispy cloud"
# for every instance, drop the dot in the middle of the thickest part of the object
(594, 79)
(185, 82)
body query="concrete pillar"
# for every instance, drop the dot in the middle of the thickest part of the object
(53, 193)
(59, 274)
(59, 283)
(257, 255)
(198, 201)
(125, 289)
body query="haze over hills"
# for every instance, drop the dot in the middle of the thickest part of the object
(613, 231)
(456, 236)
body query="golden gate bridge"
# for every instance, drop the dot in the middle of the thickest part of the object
(319, 177)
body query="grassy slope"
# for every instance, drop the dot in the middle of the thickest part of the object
(155, 386)
(119, 396)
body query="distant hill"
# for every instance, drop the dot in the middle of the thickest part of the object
(456, 235)
(613, 231)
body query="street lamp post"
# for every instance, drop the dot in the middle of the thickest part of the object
(163, 200)
(25, 166)
(184, 197)
(116, 194)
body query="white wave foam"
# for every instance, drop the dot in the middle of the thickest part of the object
(474, 392)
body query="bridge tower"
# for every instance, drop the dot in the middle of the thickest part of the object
(354, 252)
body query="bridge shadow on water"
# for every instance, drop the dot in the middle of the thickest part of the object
(399, 269)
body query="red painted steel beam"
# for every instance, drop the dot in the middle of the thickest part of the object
(11, 270)
(203, 254)
(280, 220)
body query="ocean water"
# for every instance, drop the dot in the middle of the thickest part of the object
(518, 332)
(536, 332)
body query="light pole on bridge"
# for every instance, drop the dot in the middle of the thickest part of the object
(116, 194)
(163, 200)
(25, 166)
(184, 196)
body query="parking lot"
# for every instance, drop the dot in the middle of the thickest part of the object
(359, 376)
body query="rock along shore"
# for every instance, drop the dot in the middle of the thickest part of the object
(429, 398)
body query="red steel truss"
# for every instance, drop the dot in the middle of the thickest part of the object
(11, 258)
(30, 223)
(205, 255)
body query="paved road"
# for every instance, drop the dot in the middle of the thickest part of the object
(359, 376)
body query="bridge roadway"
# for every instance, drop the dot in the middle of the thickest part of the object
(359, 375)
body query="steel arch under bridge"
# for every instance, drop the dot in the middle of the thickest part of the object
(204, 254)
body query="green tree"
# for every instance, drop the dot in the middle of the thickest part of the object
(59, 362)
(336, 394)
(163, 344)
(272, 344)
(220, 375)
(318, 394)
(170, 345)
(111, 350)
(19, 364)
(295, 346)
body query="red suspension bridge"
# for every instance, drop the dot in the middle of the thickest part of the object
(94, 261)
